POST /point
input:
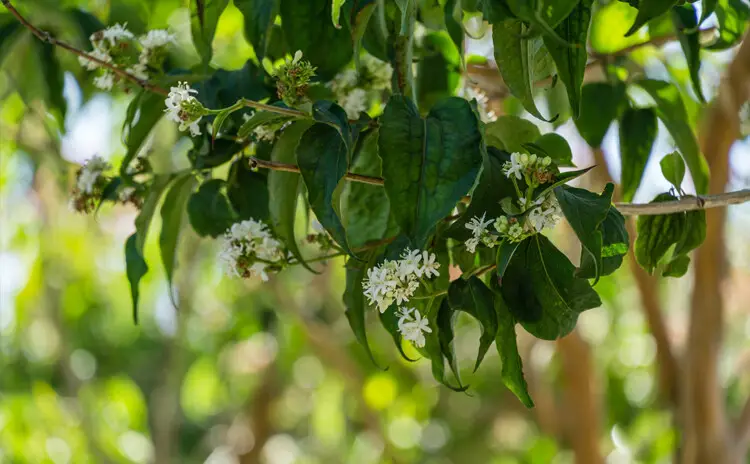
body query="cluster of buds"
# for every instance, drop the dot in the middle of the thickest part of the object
(397, 281)
(91, 182)
(118, 47)
(535, 170)
(249, 249)
(184, 109)
(293, 79)
(355, 91)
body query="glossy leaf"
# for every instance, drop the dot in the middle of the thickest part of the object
(54, 77)
(143, 220)
(354, 299)
(648, 10)
(259, 16)
(135, 268)
(542, 292)
(585, 211)
(505, 253)
(685, 21)
(362, 13)
(172, 213)
(433, 346)
(322, 160)
(204, 17)
(209, 209)
(439, 70)
(657, 233)
(474, 298)
(507, 347)
(336, 12)
(638, 129)
(615, 243)
(247, 191)
(694, 235)
(510, 133)
(732, 16)
(707, 7)
(259, 119)
(600, 104)
(671, 110)
(555, 146)
(428, 164)
(673, 169)
(334, 116)
(571, 57)
(445, 323)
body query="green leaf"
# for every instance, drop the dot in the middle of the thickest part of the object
(259, 119)
(204, 17)
(305, 28)
(439, 70)
(283, 187)
(514, 54)
(542, 292)
(671, 110)
(555, 146)
(259, 17)
(209, 209)
(334, 116)
(208, 154)
(136, 268)
(673, 169)
(707, 7)
(571, 57)
(600, 104)
(428, 164)
(445, 321)
(224, 88)
(172, 211)
(585, 211)
(504, 254)
(510, 133)
(354, 299)
(143, 220)
(54, 76)
(732, 16)
(322, 160)
(507, 347)
(474, 298)
(454, 23)
(219, 121)
(433, 346)
(563, 178)
(685, 23)
(149, 108)
(648, 10)
(638, 130)
(694, 235)
(336, 12)
(86, 23)
(361, 14)
(247, 191)
(657, 233)
(615, 245)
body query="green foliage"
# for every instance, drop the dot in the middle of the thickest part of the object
(685, 21)
(209, 209)
(673, 168)
(638, 130)
(600, 105)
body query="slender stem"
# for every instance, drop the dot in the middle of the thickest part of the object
(273, 109)
(431, 295)
(276, 166)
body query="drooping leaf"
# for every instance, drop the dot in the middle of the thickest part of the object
(671, 110)
(707, 7)
(336, 12)
(283, 187)
(172, 212)
(648, 10)
(54, 77)
(615, 243)
(208, 154)
(507, 347)
(563, 178)
(657, 233)
(685, 21)
(143, 113)
(209, 209)
(585, 211)
(600, 104)
(732, 16)
(322, 160)
(334, 116)
(439, 70)
(136, 268)
(695, 234)
(354, 299)
(571, 57)
(428, 164)
(143, 220)
(638, 130)
(445, 322)
(673, 169)
(305, 28)
(204, 17)
(247, 191)
(510, 133)
(553, 145)
(514, 54)
(362, 12)
(259, 17)
(542, 292)
(454, 23)
(433, 346)
(474, 298)
(504, 254)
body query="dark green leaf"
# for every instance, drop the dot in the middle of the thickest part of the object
(258, 119)
(307, 28)
(143, 221)
(283, 187)
(428, 164)
(142, 115)
(354, 299)
(671, 111)
(585, 211)
(474, 298)
(362, 12)
(563, 178)
(454, 22)
(209, 209)
(504, 254)
(507, 348)
(600, 103)
(732, 16)
(656, 234)
(514, 54)
(510, 133)
(446, 320)
(248, 191)
(438, 71)
(648, 10)
(433, 343)
(555, 146)
(259, 16)
(219, 121)
(86, 22)
(322, 160)
(707, 7)
(204, 17)
(571, 57)
(224, 88)
(615, 244)
(673, 169)
(334, 116)
(494, 11)
(136, 268)
(542, 292)
(638, 130)
(54, 76)
(172, 211)
(686, 23)
(694, 235)
(208, 154)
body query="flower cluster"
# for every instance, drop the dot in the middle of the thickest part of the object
(119, 47)
(265, 132)
(249, 249)
(355, 91)
(293, 79)
(91, 181)
(473, 93)
(184, 108)
(412, 326)
(396, 281)
(535, 170)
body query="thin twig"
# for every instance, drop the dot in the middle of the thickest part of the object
(276, 166)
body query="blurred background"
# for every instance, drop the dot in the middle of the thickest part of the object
(246, 372)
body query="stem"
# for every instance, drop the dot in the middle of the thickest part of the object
(273, 109)
(432, 295)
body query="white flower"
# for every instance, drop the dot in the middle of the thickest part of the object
(409, 263)
(264, 133)
(248, 249)
(139, 71)
(397, 281)
(126, 193)
(478, 226)
(96, 53)
(114, 34)
(354, 103)
(156, 38)
(182, 108)
(514, 167)
(90, 173)
(105, 81)
(429, 265)
(471, 244)
(413, 328)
